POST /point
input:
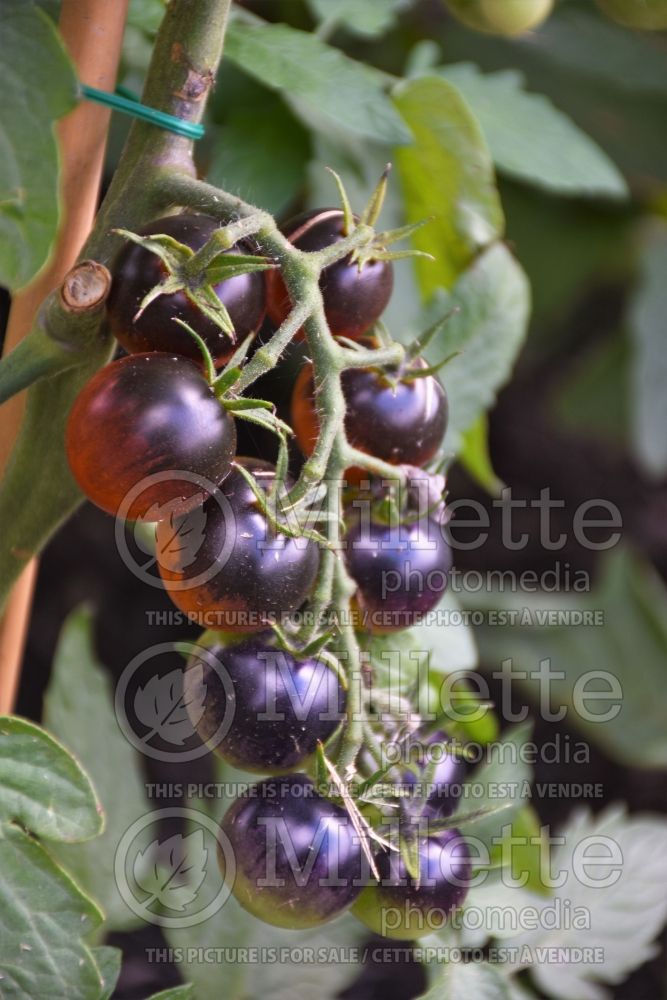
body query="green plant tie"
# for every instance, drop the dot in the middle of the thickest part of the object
(125, 102)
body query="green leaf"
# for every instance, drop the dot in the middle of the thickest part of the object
(448, 638)
(369, 19)
(585, 43)
(186, 992)
(630, 646)
(593, 400)
(79, 703)
(44, 917)
(468, 981)
(624, 916)
(265, 978)
(43, 787)
(336, 89)
(108, 961)
(526, 859)
(448, 175)
(146, 15)
(475, 457)
(505, 769)
(649, 362)
(532, 140)
(493, 300)
(588, 244)
(39, 86)
(239, 157)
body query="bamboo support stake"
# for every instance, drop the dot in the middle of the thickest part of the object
(93, 32)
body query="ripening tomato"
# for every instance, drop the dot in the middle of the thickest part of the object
(145, 415)
(354, 297)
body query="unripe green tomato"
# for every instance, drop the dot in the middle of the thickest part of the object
(649, 15)
(501, 17)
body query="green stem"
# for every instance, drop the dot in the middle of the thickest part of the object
(355, 712)
(36, 356)
(220, 241)
(379, 357)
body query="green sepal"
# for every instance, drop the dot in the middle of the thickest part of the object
(240, 403)
(420, 343)
(228, 265)
(365, 786)
(412, 374)
(459, 820)
(371, 212)
(169, 286)
(209, 366)
(228, 378)
(173, 253)
(408, 844)
(349, 223)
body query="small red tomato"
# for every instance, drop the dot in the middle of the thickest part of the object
(149, 415)
(354, 299)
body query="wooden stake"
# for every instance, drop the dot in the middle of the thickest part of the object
(93, 33)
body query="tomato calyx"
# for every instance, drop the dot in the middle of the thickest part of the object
(197, 273)
(394, 505)
(374, 244)
(257, 411)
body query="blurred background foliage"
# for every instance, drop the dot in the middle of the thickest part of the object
(542, 158)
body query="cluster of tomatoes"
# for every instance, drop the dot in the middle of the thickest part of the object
(148, 438)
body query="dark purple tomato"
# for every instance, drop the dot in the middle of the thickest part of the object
(402, 422)
(263, 710)
(149, 415)
(298, 859)
(441, 789)
(401, 571)
(397, 907)
(225, 562)
(353, 299)
(137, 270)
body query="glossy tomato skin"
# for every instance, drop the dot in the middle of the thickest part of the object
(402, 422)
(353, 299)
(397, 907)
(137, 270)
(302, 845)
(401, 571)
(271, 708)
(143, 415)
(450, 771)
(242, 575)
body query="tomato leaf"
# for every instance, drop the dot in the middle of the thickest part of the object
(532, 140)
(79, 705)
(39, 86)
(299, 65)
(43, 787)
(448, 175)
